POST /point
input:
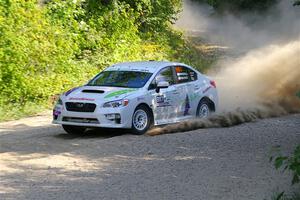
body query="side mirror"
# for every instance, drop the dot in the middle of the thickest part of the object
(162, 84)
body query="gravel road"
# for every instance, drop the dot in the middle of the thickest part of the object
(39, 161)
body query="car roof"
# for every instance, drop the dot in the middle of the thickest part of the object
(146, 66)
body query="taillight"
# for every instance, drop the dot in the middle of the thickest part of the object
(213, 83)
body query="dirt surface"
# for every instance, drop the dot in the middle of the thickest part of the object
(39, 161)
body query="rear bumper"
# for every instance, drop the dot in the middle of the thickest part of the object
(101, 117)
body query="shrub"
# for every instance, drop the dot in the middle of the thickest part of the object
(291, 163)
(47, 48)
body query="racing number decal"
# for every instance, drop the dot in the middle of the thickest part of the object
(162, 101)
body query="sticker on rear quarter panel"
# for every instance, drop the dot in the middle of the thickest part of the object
(119, 92)
(187, 106)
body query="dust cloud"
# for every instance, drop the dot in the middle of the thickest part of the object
(260, 81)
(243, 32)
(264, 83)
(270, 75)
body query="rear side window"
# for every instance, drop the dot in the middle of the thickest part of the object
(184, 74)
(193, 75)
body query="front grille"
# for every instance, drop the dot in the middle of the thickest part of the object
(80, 107)
(81, 120)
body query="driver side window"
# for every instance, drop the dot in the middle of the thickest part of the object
(165, 74)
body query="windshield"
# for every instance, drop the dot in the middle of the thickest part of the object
(128, 79)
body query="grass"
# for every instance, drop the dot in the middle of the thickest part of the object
(14, 112)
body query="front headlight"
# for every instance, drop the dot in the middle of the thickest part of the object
(116, 104)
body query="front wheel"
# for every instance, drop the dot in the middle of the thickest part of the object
(203, 109)
(141, 120)
(74, 130)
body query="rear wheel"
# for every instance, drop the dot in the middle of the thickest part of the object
(141, 120)
(74, 130)
(204, 110)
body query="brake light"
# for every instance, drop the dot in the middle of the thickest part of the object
(213, 83)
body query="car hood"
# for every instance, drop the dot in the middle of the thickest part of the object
(97, 94)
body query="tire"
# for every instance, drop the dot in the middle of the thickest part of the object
(142, 120)
(74, 130)
(204, 109)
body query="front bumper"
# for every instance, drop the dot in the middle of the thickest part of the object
(102, 117)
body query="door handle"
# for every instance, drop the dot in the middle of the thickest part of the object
(175, 92)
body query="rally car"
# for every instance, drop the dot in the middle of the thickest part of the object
(136, 96)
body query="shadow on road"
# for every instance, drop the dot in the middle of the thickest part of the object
(102, 133)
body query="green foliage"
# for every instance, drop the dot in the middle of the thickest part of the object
(154, 15)
(283, 196)
(298, 94)
(240, 5)
(291, 163)
(47, 48)
(297, 3)
(34, 53)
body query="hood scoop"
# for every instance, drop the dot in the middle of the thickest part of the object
(93, 91)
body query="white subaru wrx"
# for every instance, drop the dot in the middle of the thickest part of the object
(137, 95)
